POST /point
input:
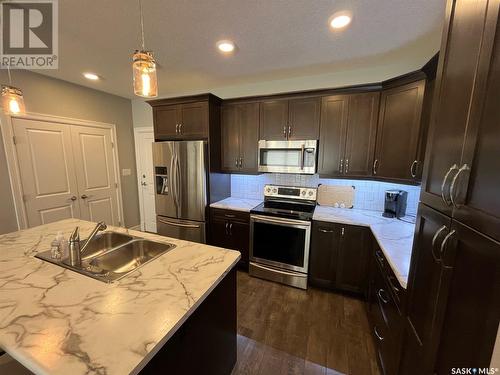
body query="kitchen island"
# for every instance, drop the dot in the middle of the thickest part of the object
(176, 312)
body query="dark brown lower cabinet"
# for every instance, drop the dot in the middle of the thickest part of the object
(231, 230)
(339, 256)
(385, 312)
(453, 304)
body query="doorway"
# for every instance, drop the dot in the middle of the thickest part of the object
(144, 138)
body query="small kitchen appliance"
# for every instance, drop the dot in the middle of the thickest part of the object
(395, 203)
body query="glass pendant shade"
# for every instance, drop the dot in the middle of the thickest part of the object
(12, 101)
(144, 70)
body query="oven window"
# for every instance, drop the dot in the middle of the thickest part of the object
(279, 243)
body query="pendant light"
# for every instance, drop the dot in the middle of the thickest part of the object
(144, 68)
(12, 98)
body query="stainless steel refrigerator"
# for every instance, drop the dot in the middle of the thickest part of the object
(181, 189)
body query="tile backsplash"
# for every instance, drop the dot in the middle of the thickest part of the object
(369, 195)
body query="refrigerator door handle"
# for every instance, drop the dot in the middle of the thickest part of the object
(173, 181)
(179, 224)
(177, 179)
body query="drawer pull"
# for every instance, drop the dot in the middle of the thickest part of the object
(379, 256)
(380, 338)
(325, 230)
(382, 298)
(229, 216)
(393, 286)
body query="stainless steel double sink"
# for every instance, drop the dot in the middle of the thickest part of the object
(111, 255)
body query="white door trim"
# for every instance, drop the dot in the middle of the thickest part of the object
(13, 165)
(137, 131)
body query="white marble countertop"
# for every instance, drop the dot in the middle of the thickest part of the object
(237, 204)
(56, 321)
(395, 237)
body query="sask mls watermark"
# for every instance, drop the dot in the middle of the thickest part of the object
(29, 37)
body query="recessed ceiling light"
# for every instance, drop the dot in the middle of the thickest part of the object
(225, 46)
(91, 76)
(340, 20)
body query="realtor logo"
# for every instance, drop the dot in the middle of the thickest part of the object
(29, 34)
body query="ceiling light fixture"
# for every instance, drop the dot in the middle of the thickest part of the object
(339, 20)
(12, 98)
(144, 68)
(91, 76)
(226, 46)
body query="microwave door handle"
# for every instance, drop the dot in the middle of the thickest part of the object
(302, 156)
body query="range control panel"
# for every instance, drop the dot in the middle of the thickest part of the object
(290, 192)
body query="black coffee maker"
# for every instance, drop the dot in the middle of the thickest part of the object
(395, 203)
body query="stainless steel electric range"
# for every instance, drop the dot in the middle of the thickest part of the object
(280, 233)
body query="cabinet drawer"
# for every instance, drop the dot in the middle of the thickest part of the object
(393, 286)
(240, 216)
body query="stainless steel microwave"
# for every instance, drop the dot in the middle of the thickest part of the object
(288, 156)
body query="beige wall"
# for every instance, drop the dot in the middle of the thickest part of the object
(59, 98)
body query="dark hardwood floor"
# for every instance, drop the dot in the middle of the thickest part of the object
(283, 330)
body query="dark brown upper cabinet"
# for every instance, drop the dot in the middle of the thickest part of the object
(290, 119)
(240, 136)
(347, 134)
(399, 130)
(463, 149)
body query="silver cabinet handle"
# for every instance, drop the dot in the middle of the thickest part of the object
(230, 216)
(393, 286)
(241, 162)
(443, 184)
(289, 130)
(463, 168)
(346, 166)
(375, 166)
(341, 165)
(73, 198)
(176, 128)
(178, 224)
(227, 228)
(443, 246)
(236, 163)
(284, 131)
(436, 235)
(413, 165)
(342, 231)
(325, 230)
(180, 128)
(382, 298)
(380, 338)
(84, 196)
(230, 229)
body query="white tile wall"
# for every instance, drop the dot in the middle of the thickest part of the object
(369, 194)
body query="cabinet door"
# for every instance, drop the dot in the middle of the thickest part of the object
(249, 136)
(424, 286)
(398, 131)
(219, 233)
(456, 76)
(274, 120)
(361, 134)
(325, 239)
(166, 121)
(475, 189)
(473, 308)
(230, 133)
(304, 118)
(240, 238)
(194, 122)
(352, 260)
(334, 111)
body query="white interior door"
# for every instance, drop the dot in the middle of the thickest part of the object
(144, 156)
(95, 174)
(45, 158)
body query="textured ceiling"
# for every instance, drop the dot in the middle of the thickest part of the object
(276, 39)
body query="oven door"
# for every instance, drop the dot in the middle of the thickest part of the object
(280, 242)
(287, 156)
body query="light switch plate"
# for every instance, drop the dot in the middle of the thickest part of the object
(126, 172)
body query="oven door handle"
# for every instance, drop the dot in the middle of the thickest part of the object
(276, 220)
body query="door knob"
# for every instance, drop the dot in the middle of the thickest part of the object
(84, 196)
(143, 183)
(73, 198)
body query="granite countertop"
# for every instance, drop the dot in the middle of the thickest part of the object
(395, 237)
(237, 204)
(56, 321)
